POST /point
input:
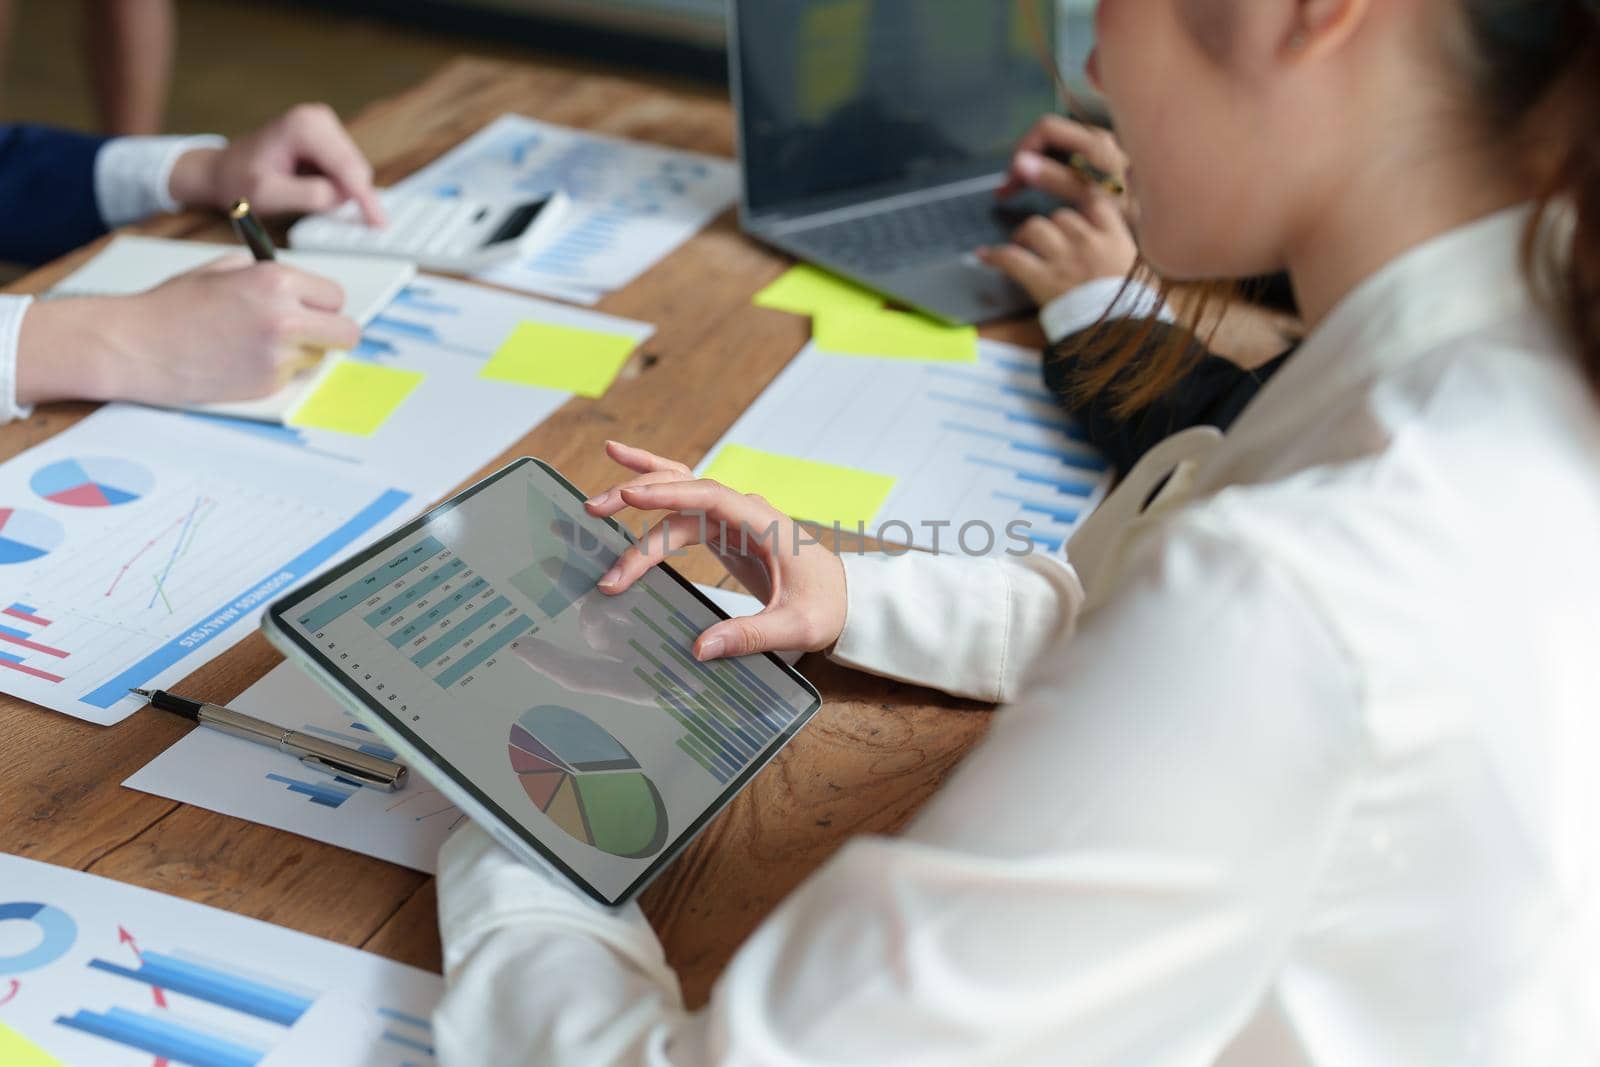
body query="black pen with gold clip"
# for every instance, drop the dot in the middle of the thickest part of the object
(251, 232)
(1079, 164)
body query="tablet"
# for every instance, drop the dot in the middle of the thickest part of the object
(576, 728)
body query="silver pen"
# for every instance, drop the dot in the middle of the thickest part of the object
(325, 755)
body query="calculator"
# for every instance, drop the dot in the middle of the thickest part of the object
(452, 234)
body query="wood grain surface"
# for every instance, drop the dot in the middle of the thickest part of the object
(864, 765)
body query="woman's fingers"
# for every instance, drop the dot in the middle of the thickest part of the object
(1042, 236)
(703, 509)
(320, 329)
(1021, 266)
(1060, 135)
(1103, 213)
(606, 504)
(779, 629)
(667, 538)
(642, 461)
(650, 467)
(1032, 164)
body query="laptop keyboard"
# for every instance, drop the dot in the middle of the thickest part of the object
(910, 235)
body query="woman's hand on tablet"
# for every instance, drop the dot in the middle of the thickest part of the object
(801, 583)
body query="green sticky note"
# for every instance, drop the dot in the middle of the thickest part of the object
(803, 488)
(567, 358)
(355, 398)
(806, 290)
(893, 335)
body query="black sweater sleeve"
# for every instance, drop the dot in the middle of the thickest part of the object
(47, 199)
(1213, 393)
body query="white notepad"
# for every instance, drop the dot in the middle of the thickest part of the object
(134, 264)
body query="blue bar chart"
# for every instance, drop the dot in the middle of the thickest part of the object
(330, 792)
(163, 1038)
(728, 714)
(215, 985)
(368, 585)
(982, 457)
(430, 605)
(114, 974)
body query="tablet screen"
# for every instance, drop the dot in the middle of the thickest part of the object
(582, 720)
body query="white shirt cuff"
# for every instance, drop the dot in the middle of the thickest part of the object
(1104, 298)
(482, 887)
(12, 308)
(132, 175)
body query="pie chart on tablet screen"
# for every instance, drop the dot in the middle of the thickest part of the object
(587, 782)
(92, 482)
(27, 535)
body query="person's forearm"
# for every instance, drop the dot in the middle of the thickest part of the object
(67, 350)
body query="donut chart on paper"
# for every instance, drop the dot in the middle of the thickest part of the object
(92, 482)
(587, 782)
(27, 535)
(57, 933)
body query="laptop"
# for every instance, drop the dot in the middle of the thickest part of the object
(873, 133)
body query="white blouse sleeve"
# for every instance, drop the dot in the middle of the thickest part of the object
(1103, 298)
(12, 309)
(133, 175)
(1116, 871)
(971, 627)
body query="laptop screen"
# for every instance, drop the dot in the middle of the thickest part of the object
(852, 96)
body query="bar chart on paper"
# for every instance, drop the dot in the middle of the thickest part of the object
(123, 976)
(980, 443)
(133, 568)
(632, 203)
(249, 781)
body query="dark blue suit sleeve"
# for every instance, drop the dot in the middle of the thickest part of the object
(47, 201)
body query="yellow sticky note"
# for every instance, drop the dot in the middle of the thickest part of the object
(18, 1051)
(356, 398)
(893, 335)
(567, 358)
(806, 290)
(803, 488)
(832, 53)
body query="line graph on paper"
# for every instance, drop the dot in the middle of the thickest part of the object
(144, 574)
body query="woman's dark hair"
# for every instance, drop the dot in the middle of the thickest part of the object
(1536, 68)
(1533, 54)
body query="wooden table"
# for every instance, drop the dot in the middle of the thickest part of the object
(864, 764)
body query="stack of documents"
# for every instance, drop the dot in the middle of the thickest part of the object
(632, 203)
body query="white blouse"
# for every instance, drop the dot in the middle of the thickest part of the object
(1309, 779)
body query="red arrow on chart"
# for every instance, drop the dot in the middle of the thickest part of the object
(161, 998)
(127, 939)
(15, 985)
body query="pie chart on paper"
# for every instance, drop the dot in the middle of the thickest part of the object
(587, 782)
(92, 482)
(27, 535)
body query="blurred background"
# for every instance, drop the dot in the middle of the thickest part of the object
(236, 63)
